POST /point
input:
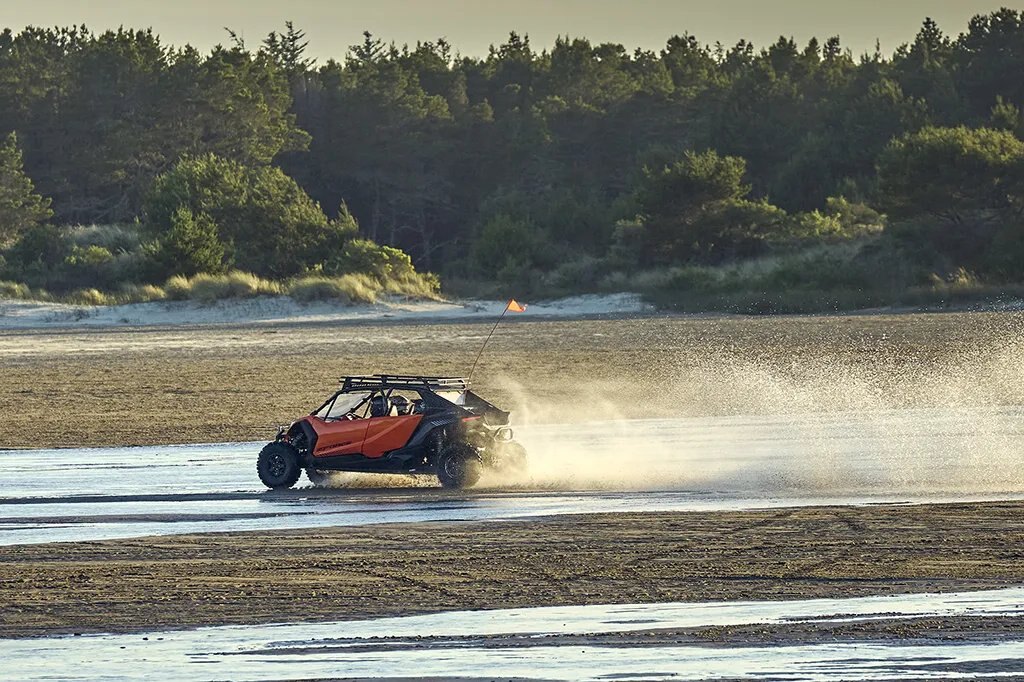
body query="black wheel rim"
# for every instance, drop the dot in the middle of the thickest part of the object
(277, 465)
(453, 468)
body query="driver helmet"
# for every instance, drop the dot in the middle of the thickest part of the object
(379, 406)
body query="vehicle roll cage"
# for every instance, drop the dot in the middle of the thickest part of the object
(383, 381)
(386, 384)
(427, 387)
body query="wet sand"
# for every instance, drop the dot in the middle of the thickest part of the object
(957, 629)
(365, 572)
(236, 383)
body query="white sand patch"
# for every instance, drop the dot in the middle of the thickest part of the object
(30, 314)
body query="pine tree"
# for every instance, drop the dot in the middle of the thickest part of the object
(191, 245)
(20, 207)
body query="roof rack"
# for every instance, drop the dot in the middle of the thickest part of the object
(372, 381)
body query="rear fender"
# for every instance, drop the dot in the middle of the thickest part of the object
(432, 425)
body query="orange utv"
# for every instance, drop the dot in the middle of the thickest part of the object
(388, 423)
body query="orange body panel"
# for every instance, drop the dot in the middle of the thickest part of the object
(370, 437)
(342, 437)
(389, 433)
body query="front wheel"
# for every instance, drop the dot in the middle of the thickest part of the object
(278, 465)
(458, 465)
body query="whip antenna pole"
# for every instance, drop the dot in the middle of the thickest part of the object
(481, 351)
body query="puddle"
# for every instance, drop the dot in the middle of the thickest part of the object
(461, 644)
(692, 464)
(34, 523)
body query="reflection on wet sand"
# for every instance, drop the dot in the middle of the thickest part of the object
(571, 643)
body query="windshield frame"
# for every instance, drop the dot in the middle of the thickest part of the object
(327, 408)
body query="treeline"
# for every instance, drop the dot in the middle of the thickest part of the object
(560, 168)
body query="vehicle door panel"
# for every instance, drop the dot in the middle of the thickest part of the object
(339, 437)
(389, 433)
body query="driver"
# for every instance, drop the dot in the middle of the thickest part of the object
(380, 406)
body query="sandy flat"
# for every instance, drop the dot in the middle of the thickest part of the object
(15, 314)
(333, 574)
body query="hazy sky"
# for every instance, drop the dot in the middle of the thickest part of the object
(471, 25)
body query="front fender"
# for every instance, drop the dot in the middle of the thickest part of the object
(302, 435)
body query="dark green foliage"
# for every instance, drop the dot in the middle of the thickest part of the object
(41, 248)
(191, 245)
(48, 257)
(953, 173)
(21, 209)
(362, 256)
(506, 247)
(692, 183)
(100, 115)
(268, 225)
(570, 160)
(960, 193)
(288, 51)
(989, 58)
(695, 209)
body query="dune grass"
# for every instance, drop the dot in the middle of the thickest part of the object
(234, 285)
(210, 288)
(18, 291)
(347, 288)
(830, 278)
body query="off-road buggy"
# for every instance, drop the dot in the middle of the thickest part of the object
(389, 423)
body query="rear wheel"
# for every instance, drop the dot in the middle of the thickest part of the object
(278, 465)
(512, 457)
(458, 465)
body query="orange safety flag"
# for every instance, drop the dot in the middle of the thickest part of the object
(516, 307)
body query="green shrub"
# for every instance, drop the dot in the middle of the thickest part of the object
(42, 246)
(89, 257)
(693, 278)
(951, 173)
(366, 257)
(581, 274)
(191, 245)
(839, 276)
(855, 219)
(628, 244)
(391, 269)
(114, 238)
(815, 226)
(269, 224)
(509, 244)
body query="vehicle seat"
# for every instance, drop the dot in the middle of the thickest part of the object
(400, 405)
